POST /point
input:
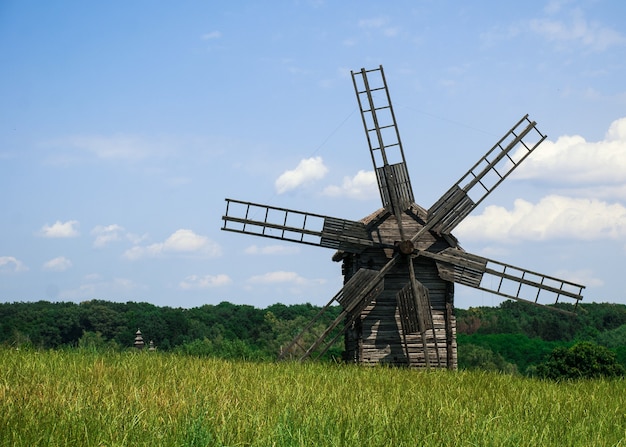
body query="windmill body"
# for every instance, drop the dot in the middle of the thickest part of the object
(387, 331)
(401, 262)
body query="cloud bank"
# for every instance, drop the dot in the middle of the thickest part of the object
(572, 160)
(592, 173)
(553, 217)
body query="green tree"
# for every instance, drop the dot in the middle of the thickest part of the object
(518, 349)
(102, 317)
(613, 338)
(584, 360)
(478, 357)
(94, 341)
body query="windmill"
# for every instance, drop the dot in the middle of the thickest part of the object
(401, 262)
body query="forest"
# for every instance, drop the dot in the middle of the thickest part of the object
(514, 337)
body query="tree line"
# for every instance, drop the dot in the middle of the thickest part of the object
(259, 333)
(523, 338)
(514, 337)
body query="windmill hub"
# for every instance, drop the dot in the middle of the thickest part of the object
(405, 247)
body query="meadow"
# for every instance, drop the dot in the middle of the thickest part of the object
(77, 397)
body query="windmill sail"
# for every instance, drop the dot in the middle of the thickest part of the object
(383, 139)
(295, 226)
(355, 295)
(484, 176)
(504, 279)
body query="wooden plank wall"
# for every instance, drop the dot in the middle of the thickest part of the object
(377, 336)
(382, 339)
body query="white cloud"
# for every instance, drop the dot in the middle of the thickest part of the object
(605, 192)
(379, 24)
(591, 35)
(271, 250)
(617, 131)
(58, 264)
(279, 277)
(362, 186)
(584, 276)
(106, 234)
(573, 160)
(594, 176)
(138, 252)
(552, 217)
(136, 239)
(568, 32)
(391, 31)
(212, 35)
(119, 147)
(554, 6)
(9, 264)
(115, 147)
(307, 171)
(60, 229)
(187, 241)
(204, 282)
(374, 22)
(182, 241)
(92, 277)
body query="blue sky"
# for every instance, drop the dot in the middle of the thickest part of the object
(124, 125)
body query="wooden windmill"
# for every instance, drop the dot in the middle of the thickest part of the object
(401, 262)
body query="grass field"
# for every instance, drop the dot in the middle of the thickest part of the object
(80, 398)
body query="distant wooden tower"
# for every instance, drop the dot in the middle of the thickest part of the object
(139, 343)
(401, 262)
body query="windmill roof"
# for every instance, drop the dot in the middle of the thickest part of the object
(379, 213)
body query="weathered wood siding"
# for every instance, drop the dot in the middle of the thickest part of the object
(377, 335)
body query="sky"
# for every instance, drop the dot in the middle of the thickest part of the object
(125, 125)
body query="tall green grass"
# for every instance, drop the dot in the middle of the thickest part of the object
(81, 398)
